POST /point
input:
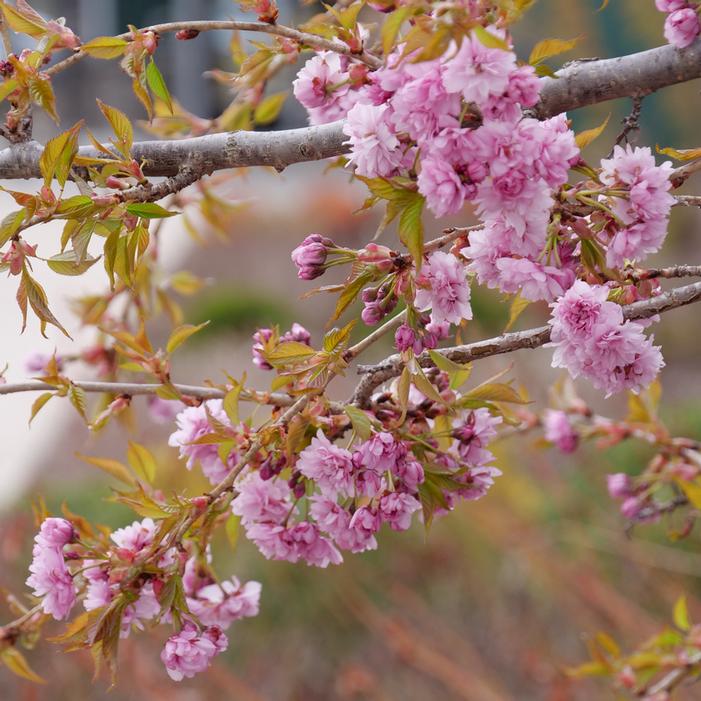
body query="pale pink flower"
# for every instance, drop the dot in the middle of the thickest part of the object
(381, 452)
(145, 608)
(222, 604)
(51, 580)
(163, 411)
(188, 652)
(682, 27)
(559, 430)
(193, 423)
(134, 538)
(329, 466)
(422, 106)
(301, 541)
(442, 186)
(442, 287)
(375, 148)
(336, 522)
(55, 533)
(473, 433)
(98, 594)
(262, 500)
(396, 509)
(670, 5)
(477, 72)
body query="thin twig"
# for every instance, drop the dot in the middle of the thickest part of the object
(303, 38)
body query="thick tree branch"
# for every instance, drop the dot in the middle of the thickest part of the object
(578, 85)
(391, 367)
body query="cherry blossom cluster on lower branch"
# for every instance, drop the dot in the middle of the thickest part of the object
(123, 590)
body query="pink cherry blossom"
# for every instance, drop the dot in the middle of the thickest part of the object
(50, 579)
(222, 604)
(193, 423)
(188, 652)
(443, 288)
(477, 72)
(682, 27)
(134, 538)
(559, 430)
(261, 500)
(322, 86)
(375, 148)
(329, 466)
(55, 533)
(336, 522)
(396, 509)
(442, 186)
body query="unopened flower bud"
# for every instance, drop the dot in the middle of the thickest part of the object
(187, 34)
(372, 314)
(404, 338)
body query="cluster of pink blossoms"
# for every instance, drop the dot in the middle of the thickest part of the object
(101, 582)
(50, 578)
(682, 25)
(644, 210)
(592, 339)
(336, 499)
(382, 473)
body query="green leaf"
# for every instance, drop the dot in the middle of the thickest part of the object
(111, 467)
(424, 385)
(685, 154)
(681, 614)
(15, 661)
(149, 210)
(142, 462)
(551, 47)
(67, 263)
(105, 47)
(350, 292)
(269, 109)
(22, 23)
(35, 295)
(42, 94)
(518, 306)
(76, 396)
(411, 229)
(121, 126)
(9, 86)
(39, 404)
(584, 138)
(181, 334)
(10, 224)
(362, 425)
(459, 374)
(491, 41)
(289, 353)
(393, 23)
(58, 154)
(495, 392)
(158, 86)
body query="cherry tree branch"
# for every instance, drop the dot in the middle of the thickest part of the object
(577, 85)
(387, 369)
(303, 38)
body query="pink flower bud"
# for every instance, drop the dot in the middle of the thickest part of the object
(619, 485)
(187, 34)
(404, 338)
